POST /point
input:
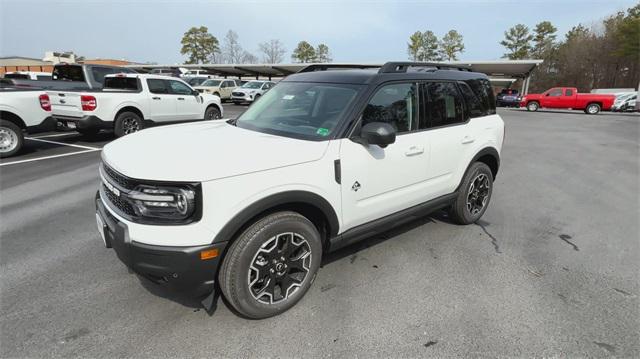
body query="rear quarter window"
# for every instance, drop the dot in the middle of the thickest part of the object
(121, 83)
(482, 89)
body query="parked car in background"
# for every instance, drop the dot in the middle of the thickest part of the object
(251, 91)
(508, 98)
(131, 102)
(22, 111)
(625, 103)
(196, 80)
(568, 98)
(70, 77)
(28, 75)
(324, 159)
(194, 73)
(218, 87)
(174, 72)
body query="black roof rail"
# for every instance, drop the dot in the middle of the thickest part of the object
(325, 67)
(398, 67)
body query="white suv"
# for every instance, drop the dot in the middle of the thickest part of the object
(325, 158)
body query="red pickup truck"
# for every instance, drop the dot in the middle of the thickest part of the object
(568, 97)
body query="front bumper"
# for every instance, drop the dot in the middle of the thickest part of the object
(179, 269)
(85, 122)
(245, 98)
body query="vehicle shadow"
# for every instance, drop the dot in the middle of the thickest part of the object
(328, 259)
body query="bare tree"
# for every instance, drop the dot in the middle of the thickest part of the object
(231, 50)
(249, 58)
(272, 51)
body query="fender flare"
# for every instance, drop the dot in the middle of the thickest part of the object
(283, 198)
(491, 151)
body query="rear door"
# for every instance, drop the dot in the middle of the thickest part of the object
(568, 99)
(162, 104)
(380, 181)
(188, 106)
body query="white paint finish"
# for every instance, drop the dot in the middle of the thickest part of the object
(24, 104)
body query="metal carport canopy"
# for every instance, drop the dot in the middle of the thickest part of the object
(495, 69)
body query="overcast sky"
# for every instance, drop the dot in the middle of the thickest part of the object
(355, 31)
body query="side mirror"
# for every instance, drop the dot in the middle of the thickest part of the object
(377, 133)
(195, 93)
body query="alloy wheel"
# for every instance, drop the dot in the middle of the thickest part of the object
(478, 194)
(279, 268)
(130, 125)
(8, 140)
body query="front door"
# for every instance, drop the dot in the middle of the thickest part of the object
(380, 181)
(188, 105)
(552, 99)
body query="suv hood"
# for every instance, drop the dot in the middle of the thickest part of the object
(203, 151)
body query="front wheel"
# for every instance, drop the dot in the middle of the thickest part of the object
(212, 113)
(11, 138)
(474, 194)
(533, 106)
(271, 265)
(592, 109)
(127, 123)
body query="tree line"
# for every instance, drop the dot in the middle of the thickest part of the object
(603, 55)
(201, 47)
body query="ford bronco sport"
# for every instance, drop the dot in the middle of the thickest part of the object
(248, 207)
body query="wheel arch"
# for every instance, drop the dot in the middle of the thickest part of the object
(489, 156)
(13, 118)
(128, 108)
(312, 206)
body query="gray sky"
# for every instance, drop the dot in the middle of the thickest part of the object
(355, 31)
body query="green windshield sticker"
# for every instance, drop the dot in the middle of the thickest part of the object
(323, 131)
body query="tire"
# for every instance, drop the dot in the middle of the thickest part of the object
(254, 262)
(474, 194)
(88, 131)
(592, 109)
(212, 113)
(11, 138)
(127, 123)
(533, 106)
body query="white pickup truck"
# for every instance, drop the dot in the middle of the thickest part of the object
(22, 111)
(130, 102)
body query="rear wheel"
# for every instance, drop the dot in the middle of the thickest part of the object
(533, 106)
(11, 138)
(271, 265)
(592, 109)
(127, 123)
(474, 194)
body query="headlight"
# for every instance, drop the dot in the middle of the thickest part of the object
(164, 202)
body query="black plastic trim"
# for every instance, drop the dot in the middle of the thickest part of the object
(383, 224)
(236, 223)
(48, 124)
(338, 171)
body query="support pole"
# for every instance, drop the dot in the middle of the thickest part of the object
(526, 88)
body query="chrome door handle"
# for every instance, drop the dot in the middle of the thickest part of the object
(414, 150)
(467, 140)
(155, 98)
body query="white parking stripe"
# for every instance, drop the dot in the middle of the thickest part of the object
(63, 144)
(55, 135)
(48, 157)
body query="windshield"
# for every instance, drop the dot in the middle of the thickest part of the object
(252, 85)
(301, 110)
(212, 83)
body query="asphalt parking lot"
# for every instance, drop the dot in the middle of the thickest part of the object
(550, 271)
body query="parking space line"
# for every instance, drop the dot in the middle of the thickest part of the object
(48, 157)
(54, 135)
(63, 144)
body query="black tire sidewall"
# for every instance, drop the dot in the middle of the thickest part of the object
(118, 130)
(210, 109)
(461, 212)
(14, 128)
(244, 249)
(593, 105)
(535, 105)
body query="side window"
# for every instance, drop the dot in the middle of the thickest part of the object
(482, 89)
(157, 86)
(178, 88)
(474, 106)
(266, 86)
(396, 104)
(444, 105)
(555, 93)
(224, 84)
(568, 92)
(100, 72)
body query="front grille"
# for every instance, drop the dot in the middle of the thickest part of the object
(118, 178)
(124, 206)
(239, 94)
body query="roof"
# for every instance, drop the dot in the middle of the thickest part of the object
(367, 76)
(497, 68)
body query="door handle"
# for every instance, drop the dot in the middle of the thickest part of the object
(467, 140)
(181, 98)
(414, 150)
(155, 98)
